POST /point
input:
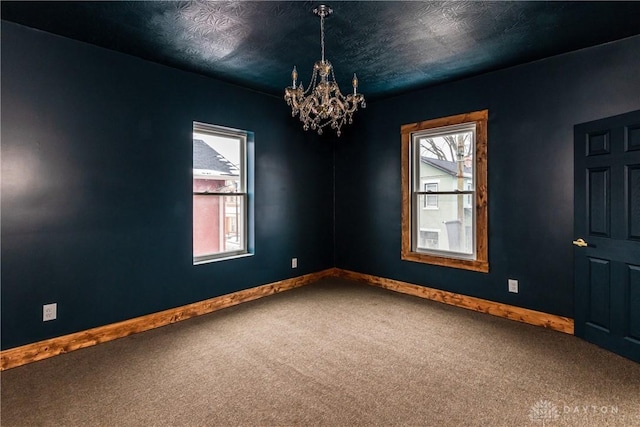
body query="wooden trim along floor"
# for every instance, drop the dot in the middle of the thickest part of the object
(40, 350)
(525, 315)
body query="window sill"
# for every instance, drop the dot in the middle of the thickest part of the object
(225, 258)
(464, 264)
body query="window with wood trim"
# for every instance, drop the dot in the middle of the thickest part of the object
(452, 152)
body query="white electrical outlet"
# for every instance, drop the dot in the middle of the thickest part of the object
(513, 286)
(49, 312)
(294, 262)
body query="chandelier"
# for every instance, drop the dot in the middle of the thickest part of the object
(322, 104)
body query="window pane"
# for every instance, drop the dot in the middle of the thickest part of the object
(452, 222)
(218, 224)
(447, 158)
(429, 239)
(430, 201)
(217, 158)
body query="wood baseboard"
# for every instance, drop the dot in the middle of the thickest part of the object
(532, 317)
(40, 350)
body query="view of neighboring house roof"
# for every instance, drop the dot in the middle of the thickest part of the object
(445, 165)
(207, 158)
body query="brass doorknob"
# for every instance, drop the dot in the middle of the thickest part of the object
(580, 243)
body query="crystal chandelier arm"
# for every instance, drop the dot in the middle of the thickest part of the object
(338, 104)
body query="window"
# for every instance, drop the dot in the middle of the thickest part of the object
(220, 202)
(444, 171)
(430, 201)
(429, 239)
(468, 201)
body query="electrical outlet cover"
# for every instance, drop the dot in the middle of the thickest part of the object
(49, 312)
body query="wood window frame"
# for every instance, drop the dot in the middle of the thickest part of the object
(481, 261)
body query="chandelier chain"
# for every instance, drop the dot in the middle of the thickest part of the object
(322, 34)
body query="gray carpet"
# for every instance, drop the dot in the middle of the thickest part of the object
(333, 353)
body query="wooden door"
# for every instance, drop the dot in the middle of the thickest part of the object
(607, 233)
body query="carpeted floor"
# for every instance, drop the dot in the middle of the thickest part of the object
(333, 353)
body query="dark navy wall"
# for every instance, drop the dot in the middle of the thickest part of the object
(96, 187)
(96, 182)
(532, 111)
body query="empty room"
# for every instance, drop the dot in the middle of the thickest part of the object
(276, 213)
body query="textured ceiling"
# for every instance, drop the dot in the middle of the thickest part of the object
(393, 46)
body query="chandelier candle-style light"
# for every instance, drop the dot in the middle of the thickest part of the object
(322, 103)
